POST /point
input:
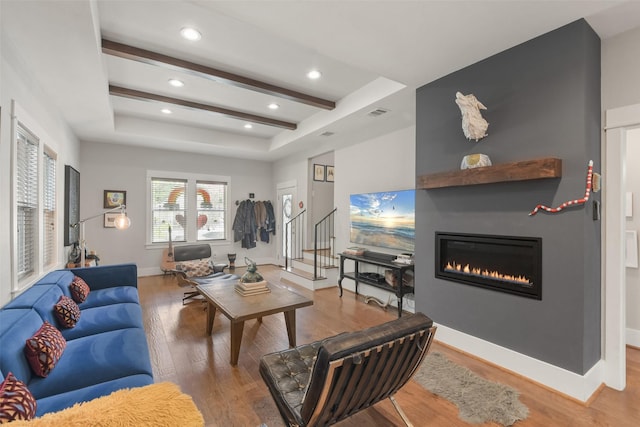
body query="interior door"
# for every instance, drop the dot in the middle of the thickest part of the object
(285, 211)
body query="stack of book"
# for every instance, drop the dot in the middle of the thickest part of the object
(354, 250)
(404, 259)
(246, 289)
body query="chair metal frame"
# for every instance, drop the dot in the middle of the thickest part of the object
(359, 380)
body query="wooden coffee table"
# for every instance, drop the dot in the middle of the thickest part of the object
(223, 297)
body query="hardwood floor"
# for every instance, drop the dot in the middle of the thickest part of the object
(181, 352)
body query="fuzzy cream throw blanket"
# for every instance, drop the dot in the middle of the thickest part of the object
(161, 404)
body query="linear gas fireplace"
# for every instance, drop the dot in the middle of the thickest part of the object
(503, 263)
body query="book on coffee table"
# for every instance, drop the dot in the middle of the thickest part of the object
(256, 288)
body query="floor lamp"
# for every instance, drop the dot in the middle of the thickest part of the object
(122, 222)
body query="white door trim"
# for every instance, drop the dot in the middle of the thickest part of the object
(617, 121)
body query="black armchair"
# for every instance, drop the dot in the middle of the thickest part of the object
(189, 261)
(321, 383)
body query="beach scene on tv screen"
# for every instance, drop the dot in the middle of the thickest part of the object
(385, 219)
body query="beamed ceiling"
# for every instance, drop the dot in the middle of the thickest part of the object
(107, 64)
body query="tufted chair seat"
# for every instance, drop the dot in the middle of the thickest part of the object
(326, 381)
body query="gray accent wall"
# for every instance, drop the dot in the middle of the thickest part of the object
(543, 100)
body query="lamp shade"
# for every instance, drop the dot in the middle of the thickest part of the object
(122, 222)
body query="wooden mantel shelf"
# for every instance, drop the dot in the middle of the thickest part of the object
(548, 167)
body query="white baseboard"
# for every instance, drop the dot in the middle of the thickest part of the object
(579, 387)
(149, 271)
(633, 337)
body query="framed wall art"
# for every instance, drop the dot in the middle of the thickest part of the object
(110, 219)
(71, 205)
(114, 198)
(318, 172)
(330, 172)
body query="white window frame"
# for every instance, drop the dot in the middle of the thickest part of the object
(48, 153)
(191, 206)
(21, 119)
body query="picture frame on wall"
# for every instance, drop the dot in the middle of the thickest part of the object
(318, 172)
(71, 205)
(330, 173)
(114, 198)
(110, 219)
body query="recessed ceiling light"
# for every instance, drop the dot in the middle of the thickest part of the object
(176, 82)
(166, 111)
(273, 106)
(248, 126)
(314, 74)
(190, 33)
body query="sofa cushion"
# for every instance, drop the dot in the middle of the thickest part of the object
(16, 401)
(15, 327)
(96, 320)
(160, 404)
(67, 312)
(108, 296)
(108, 276)
(58, 402)
(44, 349)
(60, 278)
(95, 359)
(79, 289)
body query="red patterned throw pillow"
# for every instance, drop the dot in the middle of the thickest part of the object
(79, 289)
(16, 401)
(67, 312)
(44, 348)
(197, 268)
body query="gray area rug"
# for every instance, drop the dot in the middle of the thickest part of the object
(477, 399)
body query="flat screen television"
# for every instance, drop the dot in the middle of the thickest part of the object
(385, 219)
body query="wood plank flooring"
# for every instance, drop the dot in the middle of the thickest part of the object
(228, 396)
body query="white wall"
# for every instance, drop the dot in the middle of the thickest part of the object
(633, 223)
(620, 65)
(293, 169)
(117, 167)
(621, 87)
(321, 201)
(44, 119)
(381, 164)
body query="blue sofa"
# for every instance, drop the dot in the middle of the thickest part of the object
(106, 350)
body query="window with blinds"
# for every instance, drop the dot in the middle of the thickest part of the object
(212, 205)
(27, 201)
(49, 209)
(169, 210)
(192, 206)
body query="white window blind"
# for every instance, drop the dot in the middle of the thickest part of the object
(49, 210)
(169, 208)
(27, 202)
(212, 207)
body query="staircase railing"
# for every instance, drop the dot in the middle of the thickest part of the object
(323, 243)
(294, 238)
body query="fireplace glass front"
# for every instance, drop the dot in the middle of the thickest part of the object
(509, 264)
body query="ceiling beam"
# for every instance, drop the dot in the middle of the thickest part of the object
(153, 58)
(146, 96)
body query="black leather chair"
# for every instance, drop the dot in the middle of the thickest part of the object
(192, 253)
(324, 382)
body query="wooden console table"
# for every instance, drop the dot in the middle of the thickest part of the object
(398, 270)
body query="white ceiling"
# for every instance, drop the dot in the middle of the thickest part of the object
(373, 54)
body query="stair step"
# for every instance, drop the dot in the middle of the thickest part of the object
(310, 262)
(320, 250)
(301, 273)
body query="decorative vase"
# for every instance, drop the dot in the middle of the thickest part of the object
(232, 261)
(475, 161)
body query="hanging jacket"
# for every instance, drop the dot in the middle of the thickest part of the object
(270, 225)
(244, 225)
